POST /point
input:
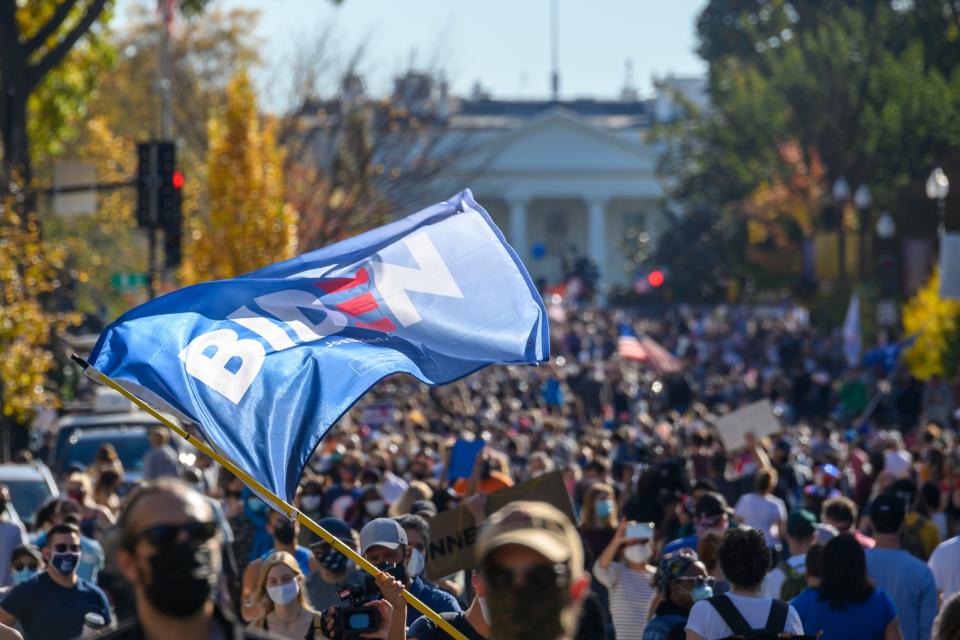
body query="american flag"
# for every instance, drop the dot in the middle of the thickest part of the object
(647, 350)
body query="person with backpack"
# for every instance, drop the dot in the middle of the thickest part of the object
(743, 611)
(787, 580)
(846, 605)
(681, 581)
(907, 579)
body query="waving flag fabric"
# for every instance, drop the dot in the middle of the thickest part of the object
(646, 350)
(265, 363)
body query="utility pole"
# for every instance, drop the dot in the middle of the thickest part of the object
(554, 52)
(165, 88)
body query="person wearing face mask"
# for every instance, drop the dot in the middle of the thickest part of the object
(629, 581)
(25, 563)
(369, 506)
(12, 536)
(598, 518)
(169, 551)
(418, 539)
(474, 623)
(280, 593)
(29, 602)
(284, 533)
(334, 570)
(681, 580)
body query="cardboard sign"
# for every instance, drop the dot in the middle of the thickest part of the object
(757, 418)
(453, 533)
(462, 458)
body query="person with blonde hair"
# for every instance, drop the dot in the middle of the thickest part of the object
(416, 491)
(280, 593)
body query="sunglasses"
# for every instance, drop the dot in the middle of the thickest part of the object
(538, 576)
(63, 547)
(167, 535)
(694, 581)
(20, 566)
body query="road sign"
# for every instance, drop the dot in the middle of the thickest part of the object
(125, 281)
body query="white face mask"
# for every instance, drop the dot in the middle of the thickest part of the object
(283, 594)
(484, 609)
(637, 553)
(311, 502)
(375, 507)
(416, 563)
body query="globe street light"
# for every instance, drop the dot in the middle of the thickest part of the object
(862, 200)
(841, 193)
(886, 227)
(938, 186)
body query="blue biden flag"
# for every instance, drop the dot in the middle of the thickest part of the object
(267, 362)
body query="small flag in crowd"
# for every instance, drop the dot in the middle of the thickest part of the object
(889, 355)
(267, 362)
(646, 350)
(852, 338)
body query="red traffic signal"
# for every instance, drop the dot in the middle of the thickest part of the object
(177, 180)
(655, 279)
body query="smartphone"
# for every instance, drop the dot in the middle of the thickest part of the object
(640, 531)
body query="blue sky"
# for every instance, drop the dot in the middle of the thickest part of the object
(503, 44)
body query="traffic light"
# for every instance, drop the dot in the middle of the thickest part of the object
(168, 200)
(158, 185)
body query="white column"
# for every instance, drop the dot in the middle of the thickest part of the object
(518, 227)
(597, 242)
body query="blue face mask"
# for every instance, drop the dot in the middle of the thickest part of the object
(65, 563)
(603, 508)
(701, 592)
(23, 575)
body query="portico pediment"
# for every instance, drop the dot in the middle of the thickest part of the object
(560, 142)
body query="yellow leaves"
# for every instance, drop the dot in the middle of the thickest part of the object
(249, 224)
(935, 321)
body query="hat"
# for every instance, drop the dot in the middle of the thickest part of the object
(339, 528)
(710, 505)
(537, 526)
(423, 507)
(801, 524)
(27, 550)
(887, 513)
(382, 532)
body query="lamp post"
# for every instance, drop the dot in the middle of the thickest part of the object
(938, 186)
(889, 286)
(863, 200)
(840, 193)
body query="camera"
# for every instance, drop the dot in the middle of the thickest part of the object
(352, 618)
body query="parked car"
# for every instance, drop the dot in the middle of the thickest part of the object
(30, 486)
(77, 425)
(130, 441)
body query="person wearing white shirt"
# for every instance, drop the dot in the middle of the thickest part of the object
(744, 556)
(945, 564)
(763, 510)
(801, 534)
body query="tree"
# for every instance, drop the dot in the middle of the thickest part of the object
(249, 224)
(936, 323)
(34, 40)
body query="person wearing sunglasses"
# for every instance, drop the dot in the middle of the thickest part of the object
(531, 571)
(26, 562)
(30, 603)
(169, 550)
(681, 580)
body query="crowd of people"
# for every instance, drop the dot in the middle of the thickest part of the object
(842, 523)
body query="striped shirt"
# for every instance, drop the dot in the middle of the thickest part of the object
(630, 596)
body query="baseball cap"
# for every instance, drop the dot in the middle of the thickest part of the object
(801, 524)
(423, 508)
(382, 532)
(537, 526)
(711, 505)
(27, 550)
(339, 528)
(887, 512)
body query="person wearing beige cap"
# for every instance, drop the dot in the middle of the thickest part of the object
(531, 567)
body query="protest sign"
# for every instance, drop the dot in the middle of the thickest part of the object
(757, 418)
(462, 458)
(453, 533)
(377, 414)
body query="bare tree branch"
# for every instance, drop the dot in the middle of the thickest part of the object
(50, 27)
(55, 55)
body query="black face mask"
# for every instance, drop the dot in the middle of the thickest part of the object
(283, 532)
(396, 569)
(518, 613)
(182, 579)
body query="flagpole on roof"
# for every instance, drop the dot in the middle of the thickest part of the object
(278, 503)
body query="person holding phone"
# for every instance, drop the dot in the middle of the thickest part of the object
(623, 568)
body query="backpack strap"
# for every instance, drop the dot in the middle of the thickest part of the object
(730, 614)
(777, 620)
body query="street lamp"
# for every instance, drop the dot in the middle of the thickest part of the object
(841, 190)
(862, 200)
(841, 193)
(938, 186)
(888, 280)
(886, 227)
